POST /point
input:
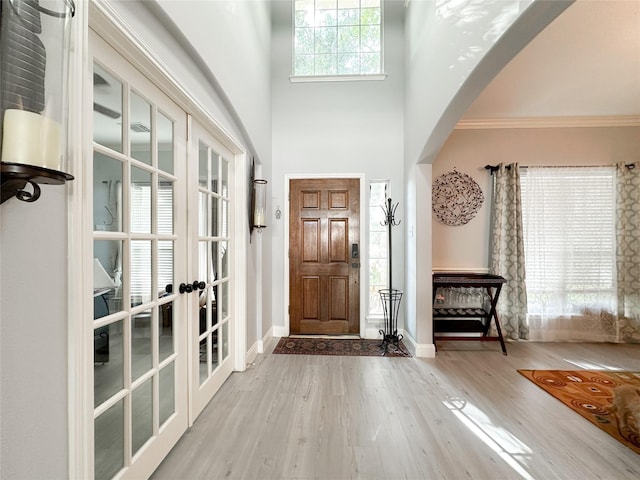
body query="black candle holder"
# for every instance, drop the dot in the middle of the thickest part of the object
(15, 177)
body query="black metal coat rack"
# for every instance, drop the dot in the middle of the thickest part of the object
(390, 297)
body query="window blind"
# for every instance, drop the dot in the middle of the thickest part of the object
(141, 250)
(568, 220)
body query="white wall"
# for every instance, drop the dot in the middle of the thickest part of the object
(235, 91)
(233, 41)
(467, 247)
(453, 52)
(335, 127)
(155, 30)
(33, 337)
(221, 56)
(418, 325)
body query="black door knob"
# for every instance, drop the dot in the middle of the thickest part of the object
(169, 288)
(199, 285)
(185, 288)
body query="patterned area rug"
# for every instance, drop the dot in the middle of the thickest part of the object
(338, 346)
(610, 400)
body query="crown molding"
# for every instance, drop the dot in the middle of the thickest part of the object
(549, 122)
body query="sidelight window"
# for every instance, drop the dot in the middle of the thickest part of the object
(378, 246)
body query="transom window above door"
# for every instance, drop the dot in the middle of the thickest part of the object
(337, 38)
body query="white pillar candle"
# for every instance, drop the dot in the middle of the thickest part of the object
(31, 139)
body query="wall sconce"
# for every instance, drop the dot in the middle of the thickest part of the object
(34, 54)
(257, 202)
(259, 205)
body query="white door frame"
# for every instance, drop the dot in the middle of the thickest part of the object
(102, 18)
(363, 243)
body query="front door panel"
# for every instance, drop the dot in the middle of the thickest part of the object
(324, 256)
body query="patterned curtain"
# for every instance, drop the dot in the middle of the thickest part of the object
(507, 251)
(628, 250)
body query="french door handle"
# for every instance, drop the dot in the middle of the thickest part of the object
(198, 285)
(185, 288)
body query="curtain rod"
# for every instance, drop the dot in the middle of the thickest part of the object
(494, 168)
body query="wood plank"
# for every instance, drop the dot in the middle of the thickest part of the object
(466, 414)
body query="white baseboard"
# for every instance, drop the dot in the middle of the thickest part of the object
(427, 350)
(265, 340)
(373, 333)
(252, 353)
(278, 331)
(258, 347)
(419, 350)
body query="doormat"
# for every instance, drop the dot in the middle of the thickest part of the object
(610, 400)
(360, 347)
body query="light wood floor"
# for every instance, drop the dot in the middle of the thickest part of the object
(467, 414)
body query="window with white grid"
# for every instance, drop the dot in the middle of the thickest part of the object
(337, 37)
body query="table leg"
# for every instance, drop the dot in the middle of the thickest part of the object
(493, 313)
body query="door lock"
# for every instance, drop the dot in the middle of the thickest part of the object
(354, 250)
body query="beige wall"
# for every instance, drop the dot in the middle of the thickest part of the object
(466, 247)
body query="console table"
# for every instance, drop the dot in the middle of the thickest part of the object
(473, 315)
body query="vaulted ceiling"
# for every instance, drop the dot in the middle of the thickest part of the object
(585, 64)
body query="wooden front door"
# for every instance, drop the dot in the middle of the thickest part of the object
(324, 256)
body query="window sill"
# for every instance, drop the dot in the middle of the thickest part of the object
(336, 78)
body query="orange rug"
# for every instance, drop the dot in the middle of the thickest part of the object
(608, 399)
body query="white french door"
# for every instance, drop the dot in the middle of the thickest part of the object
(212, 323)
(164, 320)
(139, 322)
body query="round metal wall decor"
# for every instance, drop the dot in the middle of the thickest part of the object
(456, 198)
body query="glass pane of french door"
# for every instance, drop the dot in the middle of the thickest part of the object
(210, 162)
(209, 174)
(139, 175)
